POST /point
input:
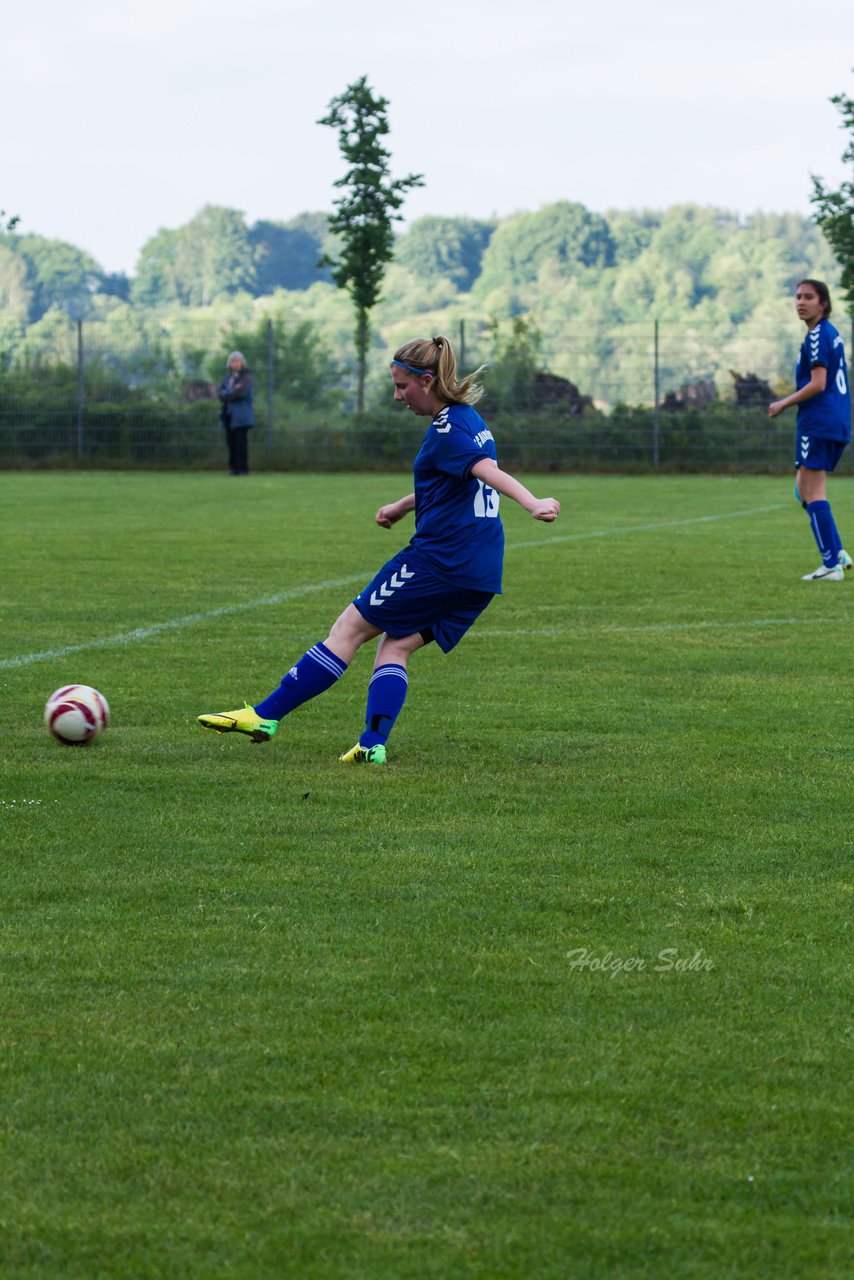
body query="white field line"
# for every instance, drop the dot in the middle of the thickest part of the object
(194, 619)
(486, 633)
(176, 624)
(645, 528)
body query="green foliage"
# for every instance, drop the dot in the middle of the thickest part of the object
(147, 389)
(449, 247)
(10, 223)
(287, 256)
(835, 209)
(59, 275)
(304, 371)
(155, 426)
(156, 281)
(561, 238)
(210, 255)
(38, 275)
(632, 232)
(719, 285)
(513, 365)
(16, 292)
(317, 226)
(114, 285)
(213, 256)
(365, 212)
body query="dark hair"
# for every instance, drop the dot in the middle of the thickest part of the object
(823, 294)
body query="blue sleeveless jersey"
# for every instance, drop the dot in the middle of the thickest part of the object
(457, 525)
(826, 416)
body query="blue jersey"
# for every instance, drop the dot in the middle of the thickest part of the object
(457, 525)
(826, 416)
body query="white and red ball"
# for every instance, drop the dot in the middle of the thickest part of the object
(76, 714)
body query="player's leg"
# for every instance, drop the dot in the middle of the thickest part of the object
(811, 486)
(446, 615)
(317, 670)
(320, 667)
(349, 632)
(387, 691)
(835, 450)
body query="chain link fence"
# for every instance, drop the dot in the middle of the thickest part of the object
(630, 397)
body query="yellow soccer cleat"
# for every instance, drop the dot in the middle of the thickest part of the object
(246, 721)
(364, 755)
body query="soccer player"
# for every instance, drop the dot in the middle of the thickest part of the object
(442, 580)
(824, 423)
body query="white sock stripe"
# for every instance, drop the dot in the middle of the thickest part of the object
(328, 660)
(390, 671)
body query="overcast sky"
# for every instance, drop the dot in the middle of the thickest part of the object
(121, 119)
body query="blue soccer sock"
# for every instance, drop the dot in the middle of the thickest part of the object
(824, 531)
(315, 672)
(386, 696)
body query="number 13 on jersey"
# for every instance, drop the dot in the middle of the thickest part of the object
(486, 501)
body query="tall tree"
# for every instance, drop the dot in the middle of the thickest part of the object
(364, 214)
(835, 209)
(11, 224)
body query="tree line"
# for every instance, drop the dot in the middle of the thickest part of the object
(681, 261)
(579, 278)
(563, 267)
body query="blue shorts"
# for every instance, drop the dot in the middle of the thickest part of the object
(406, 597)
(817, 454)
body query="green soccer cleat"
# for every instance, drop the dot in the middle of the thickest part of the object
(246, 721)
(364, 755)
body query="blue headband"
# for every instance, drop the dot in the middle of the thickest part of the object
(423, 372)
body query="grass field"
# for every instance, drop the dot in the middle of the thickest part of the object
(563, 991)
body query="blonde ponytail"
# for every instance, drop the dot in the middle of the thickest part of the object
(436, 356)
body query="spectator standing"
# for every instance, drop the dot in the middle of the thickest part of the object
(236, 415)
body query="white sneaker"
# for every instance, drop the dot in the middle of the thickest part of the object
(825, 573)
(845, 560)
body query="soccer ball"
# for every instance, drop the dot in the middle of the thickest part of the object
(76, 714)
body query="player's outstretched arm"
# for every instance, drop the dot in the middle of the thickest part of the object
(490, 473)
(394, 511)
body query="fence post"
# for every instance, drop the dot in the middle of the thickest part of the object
(656, 413)
(269, 387)
(81, 439)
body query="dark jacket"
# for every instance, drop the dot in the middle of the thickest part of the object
(235, 392)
